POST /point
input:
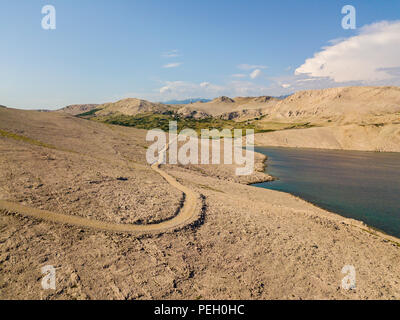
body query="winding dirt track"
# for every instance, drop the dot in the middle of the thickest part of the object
(185, 215)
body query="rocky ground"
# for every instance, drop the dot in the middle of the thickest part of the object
(253, 243)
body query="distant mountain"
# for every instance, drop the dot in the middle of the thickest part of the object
(283, 97)
(186, 101)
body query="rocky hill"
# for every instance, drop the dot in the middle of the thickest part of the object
(131, 107)
(239, 108)
(351, 118)
(339, 105)
(76, 109)
(354, 118)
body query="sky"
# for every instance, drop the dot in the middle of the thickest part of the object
(159, 50)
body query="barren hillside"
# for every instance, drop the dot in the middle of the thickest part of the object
(345, 105)
(251, 243)
(351, 118)
(385, 138)
(131, 106)
(76, 109)
(239, 108)
(236, 108)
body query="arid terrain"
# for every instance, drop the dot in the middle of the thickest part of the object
(348, 118)
(355, 118)
(185, 232)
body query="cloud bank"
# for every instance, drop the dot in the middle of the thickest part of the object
(369, 57)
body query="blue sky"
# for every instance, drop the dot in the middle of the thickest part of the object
(103, 51)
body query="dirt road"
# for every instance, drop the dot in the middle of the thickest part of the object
(185, 215)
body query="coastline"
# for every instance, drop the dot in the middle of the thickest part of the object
(258, 145)
(350, 221)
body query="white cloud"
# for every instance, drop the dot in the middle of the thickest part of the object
(369, 57)
(171, 54)
(285, 85)
(165, 89)
(172, 65)
(256, 73)
(251, 66)
(205, 84)
(239, 75)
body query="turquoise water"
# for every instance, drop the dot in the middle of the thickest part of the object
(360, 185)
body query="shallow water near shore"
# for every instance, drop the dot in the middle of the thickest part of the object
(355, 184)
